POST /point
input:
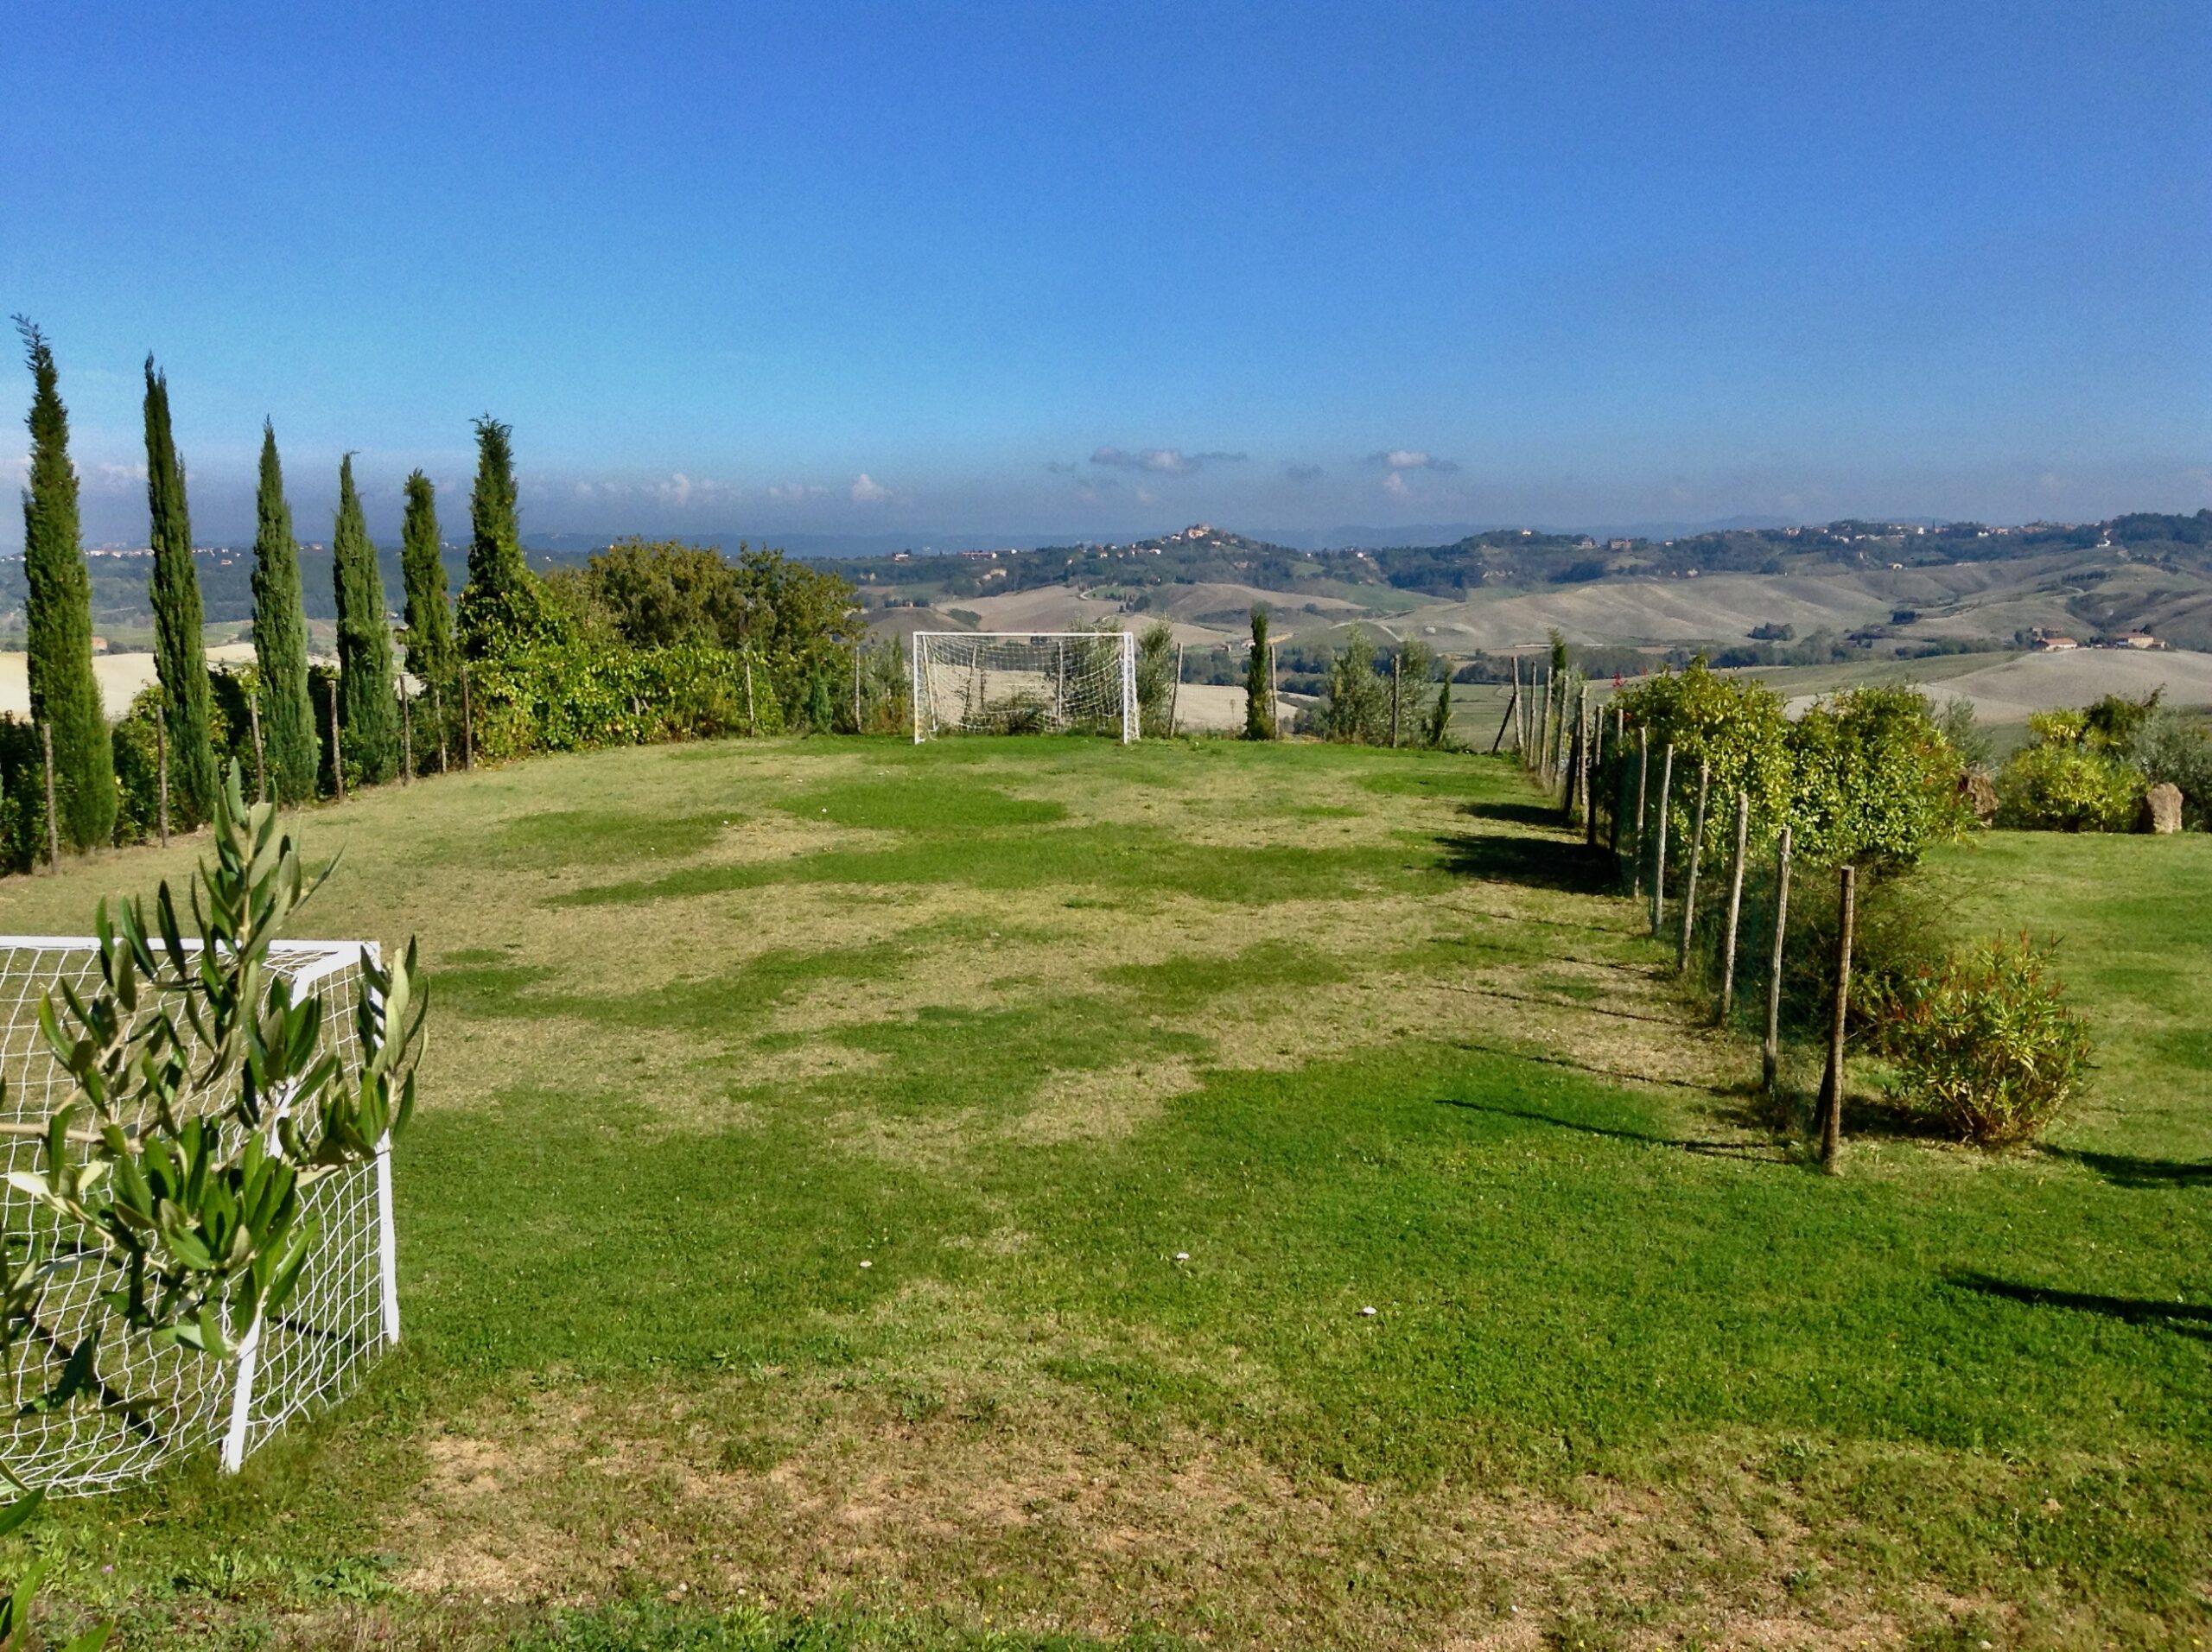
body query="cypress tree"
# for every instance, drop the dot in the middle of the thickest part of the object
(1258, 688)
(430, 617)
(500, 604)
(368, 718)
(65, 694)
(180, 658)
(280, 637)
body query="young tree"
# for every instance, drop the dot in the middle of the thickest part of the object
(1437, 733)
(280, 637)
(179, 656)
(422, 570)
(367, 715)
(1359, 700)
(65, 696)
(1259, 685)
(501, 600)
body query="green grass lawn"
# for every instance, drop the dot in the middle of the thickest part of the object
(872, 1196)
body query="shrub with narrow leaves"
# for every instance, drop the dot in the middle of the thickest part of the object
(1984, 1043)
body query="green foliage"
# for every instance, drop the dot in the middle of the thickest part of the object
(430, 652)
(575, 696)
(2177, 749)
(1984, 1044)
(1155, 678)
(887, 689)
(280, 637)
(179, 656)
(657, 594)
(501, 606)
(201, 1107)
(65, 694)
(800, 623)
(1873, 779)
(1736, 725)
(2073, 776)
(1259, 694)
(368, 714)
(1437, 731)
(1358, 710)
(1559, 651)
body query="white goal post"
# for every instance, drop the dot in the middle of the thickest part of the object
(344, 1312)
(1025, 683)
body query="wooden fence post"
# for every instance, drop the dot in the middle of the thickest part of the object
(438, 716)
(162, 767)
(468, 714)
(1659, 857)
(337, 753)
(1770, 1053)
(856, 689)
(1398, 662)
(53, 818)
(1642, 781)
(1583, 775)
(406, 736)
(1697, 854)
(1175, 695)
(1275, 690)
(752, 722)
(1832, 1086)
(1735, 905)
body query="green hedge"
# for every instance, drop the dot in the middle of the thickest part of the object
(575, 696)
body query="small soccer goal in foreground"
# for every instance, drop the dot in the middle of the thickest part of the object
(1034, 682)
(345, 1312)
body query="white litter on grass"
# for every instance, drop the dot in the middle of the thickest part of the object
(867, 1264)
(1367, 1313)
(1182, 1255)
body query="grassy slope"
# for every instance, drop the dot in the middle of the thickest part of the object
(1016, 1023)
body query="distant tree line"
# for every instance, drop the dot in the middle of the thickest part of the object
(646, 642)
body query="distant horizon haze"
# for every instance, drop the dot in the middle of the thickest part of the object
(861, 272)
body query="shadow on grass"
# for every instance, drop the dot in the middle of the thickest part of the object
(1532, 862)
(1750, 1152)
(1519, 813)
(2124, 1172)
(2191, 1319)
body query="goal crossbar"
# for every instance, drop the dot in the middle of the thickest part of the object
(1024, 682)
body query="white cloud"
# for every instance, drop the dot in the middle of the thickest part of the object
(867, 491)
(1163, 461)
(1395, 485)
(1400, 459)
(118, 479)
(796, 492)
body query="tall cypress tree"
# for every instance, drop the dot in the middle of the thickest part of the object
(1259, 686)
(180, 658)
(65, 694)
(367, 717)
(500, 602)
(430, 617)
(280, 637)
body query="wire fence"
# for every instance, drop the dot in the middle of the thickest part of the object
(180, 1401)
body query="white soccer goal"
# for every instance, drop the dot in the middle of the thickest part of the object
(1034, 682)
(344, 1311)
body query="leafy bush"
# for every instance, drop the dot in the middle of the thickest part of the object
(575, 696)
(1873, 779)
(1733, 723)
(1358, 707)
(1156, 678)
(1984, 1045)
(2074, 776)
(2177, 749)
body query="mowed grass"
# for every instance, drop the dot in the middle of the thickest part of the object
(877, 1196)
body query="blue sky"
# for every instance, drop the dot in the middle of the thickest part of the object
(1106, 269)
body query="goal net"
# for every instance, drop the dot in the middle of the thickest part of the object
(1038, 682)
(344, 1311)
